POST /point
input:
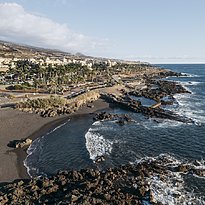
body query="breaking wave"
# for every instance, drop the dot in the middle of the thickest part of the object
(96, 144)
(189, 75)
(190, 109)
(171, 188)
(189, 83)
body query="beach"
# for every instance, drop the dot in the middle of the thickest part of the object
(16, 125)
(145, 155)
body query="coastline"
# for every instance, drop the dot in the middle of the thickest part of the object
(179, 167)
(15, 124)
(33, 126)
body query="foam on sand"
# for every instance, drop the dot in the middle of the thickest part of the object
(35, 147)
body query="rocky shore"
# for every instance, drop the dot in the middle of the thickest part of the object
(150, 86)
(128, 103)
(121, 119)
(158, 89)
(127, 184)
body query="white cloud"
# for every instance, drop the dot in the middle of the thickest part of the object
(18, 25)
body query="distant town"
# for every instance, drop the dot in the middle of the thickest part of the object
(29, 70)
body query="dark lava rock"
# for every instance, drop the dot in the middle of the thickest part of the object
(183, 168)
(100, 159)
(128, 103)
(19, 143)
(119, 118)
(112, 186)
(127, 184)
(199, 172)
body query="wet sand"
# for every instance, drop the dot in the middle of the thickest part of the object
(15, 125)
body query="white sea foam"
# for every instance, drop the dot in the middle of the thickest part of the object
(97, 123)
(168, 123)
(169, 189)
(30, 169)
(102, 126)
(160, 123)
(190, 83)
(32, 149)
(97, 145)
(189, 75)
(58, 127)
(189, 108)
(172, 191)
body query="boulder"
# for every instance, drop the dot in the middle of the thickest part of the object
(183, 168)
(99, 159)
(200, 172)
(20, 143)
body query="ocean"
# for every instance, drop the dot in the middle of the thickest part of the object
(77, 143)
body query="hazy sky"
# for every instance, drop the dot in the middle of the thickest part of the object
(156, 31)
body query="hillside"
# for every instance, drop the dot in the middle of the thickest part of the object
(13, 50)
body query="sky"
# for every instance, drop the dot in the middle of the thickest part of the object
(155, 31)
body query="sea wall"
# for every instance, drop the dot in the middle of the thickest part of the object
(53, 106)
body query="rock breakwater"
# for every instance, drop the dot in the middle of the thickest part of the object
(127, 102)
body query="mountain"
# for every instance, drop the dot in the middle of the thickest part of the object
(14, 50)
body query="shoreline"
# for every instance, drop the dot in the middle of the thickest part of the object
(21, 153)
(17, 125)
(41, 126)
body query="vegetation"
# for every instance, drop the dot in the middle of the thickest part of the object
(23, 86)
(54, 78)
(51, 102)
(55, 105)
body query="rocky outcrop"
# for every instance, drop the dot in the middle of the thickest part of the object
(128, 103)
(119, 118)
(127, 184)
(157, 90)
(20, 143)
(169, 73)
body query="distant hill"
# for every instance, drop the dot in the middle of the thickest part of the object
(11, 50)
(14, 50)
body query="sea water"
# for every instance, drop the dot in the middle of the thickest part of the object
(80, 141)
